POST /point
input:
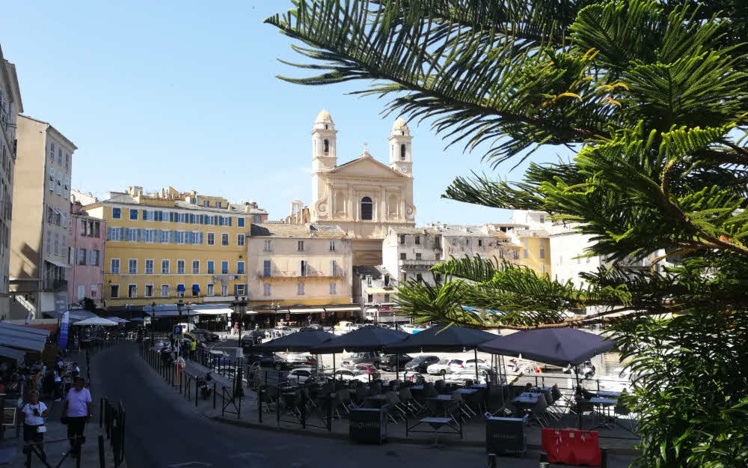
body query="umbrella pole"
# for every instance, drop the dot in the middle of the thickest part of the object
(397, 367)
(476, 365)
(333, 366)
(579, 409)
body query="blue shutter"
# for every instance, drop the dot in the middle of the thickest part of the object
(171, 217)
(230, 220)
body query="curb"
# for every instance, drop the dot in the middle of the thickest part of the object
(398, 440)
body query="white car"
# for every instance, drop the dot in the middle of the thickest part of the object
(446, 366)
(482, 365)
(348, 375)
(300, 375)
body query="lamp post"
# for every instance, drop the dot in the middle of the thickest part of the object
(153, 323)
(189, 304)
(239, 306)
(180, 306)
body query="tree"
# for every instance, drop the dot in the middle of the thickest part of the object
(652, 98)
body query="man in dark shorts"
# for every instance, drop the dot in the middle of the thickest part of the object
(77, 410)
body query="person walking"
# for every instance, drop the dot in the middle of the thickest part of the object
(34, 413)
(77, 410)
(58, 385)
(193, 348)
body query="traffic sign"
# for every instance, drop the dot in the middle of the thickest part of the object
(177, 329)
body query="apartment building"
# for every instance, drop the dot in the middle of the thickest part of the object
(87, 251)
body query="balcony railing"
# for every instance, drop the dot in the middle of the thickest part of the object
(281, 275)
(418, 262)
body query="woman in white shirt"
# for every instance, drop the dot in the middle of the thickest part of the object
(34, 413)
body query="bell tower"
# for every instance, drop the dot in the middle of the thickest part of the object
(324, 156)
(400, 148)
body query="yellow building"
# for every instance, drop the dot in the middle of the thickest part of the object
(535, 249)
(168, 246)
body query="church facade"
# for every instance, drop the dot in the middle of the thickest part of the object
(363, 197)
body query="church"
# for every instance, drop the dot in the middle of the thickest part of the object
(363, 197)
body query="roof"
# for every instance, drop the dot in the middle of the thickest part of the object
(531, 233)
(324, 116)
(49, 126)
(401, 124)
(296, 230)
(375, 272)
(126, 199)
(365, 157)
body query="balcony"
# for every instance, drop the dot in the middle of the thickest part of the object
(296, 276)
(60, 285)
(418, 263)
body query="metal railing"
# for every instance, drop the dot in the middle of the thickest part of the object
(112, 418)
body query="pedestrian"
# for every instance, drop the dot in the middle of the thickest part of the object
(236, 328)
(34, 413)
(193, 347)
(77, 410)
(58, 385)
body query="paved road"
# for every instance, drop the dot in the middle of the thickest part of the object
(164, 431)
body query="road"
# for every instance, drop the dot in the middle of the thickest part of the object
(164, 431)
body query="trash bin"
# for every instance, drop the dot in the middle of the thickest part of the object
(506, 435)
(368, 425)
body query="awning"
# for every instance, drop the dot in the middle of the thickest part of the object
(11, 353)
(343, 309)
(59, 264)
(22, 341)
(24, 329)
(306, 311)
(180, 288)
(195, 288)
(379, 291)
(212, 311)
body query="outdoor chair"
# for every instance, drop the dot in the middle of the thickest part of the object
(465, 411)
(375, 388)
(407, 399)
(394, 407)
(440, 386)
(556, 393)
(429, 391)
(269, 399)
(476, 402)
(539, 412)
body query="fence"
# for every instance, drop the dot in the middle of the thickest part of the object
(112, 419)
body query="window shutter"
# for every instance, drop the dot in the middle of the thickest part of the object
(332, 267)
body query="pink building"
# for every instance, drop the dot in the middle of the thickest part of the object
(86, 275)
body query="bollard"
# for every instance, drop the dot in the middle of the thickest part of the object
(214, 395)
(603, 458)
(197, 392)
(101, 412)
(102, 457)
(544, 460)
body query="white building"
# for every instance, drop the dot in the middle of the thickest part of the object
(409, 253)
(10, 106)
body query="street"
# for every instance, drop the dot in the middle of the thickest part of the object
(164, 431)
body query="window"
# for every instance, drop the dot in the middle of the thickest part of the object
(256, 218)
(302, 267)
(403, 256)
(418, 240)
(368, 281)
(524, 253)
(438, 277)
(132, 291)
(402, 239)
(57, 243)
(240, 222)
(180, 290)
(132, 266)
(114, 266)
(300, 289)
(240, 268)
(148, 290)
(81, 292)
(265, 289)
(116, 213)
(81, 257)
(211, 267)
(542, 253)
(52, 152)
(94, 291)
(225, 267)
(333, 288)
(266, 268)
(332, 246)
(224, 239)
(542, 218)
(334, 270)
(180, 267)
(211, 289)
(52, 179)
(386, 298)
(480, 242)
(386, 281)
(299, 246)
(195, 290)
(402, 152)
(149, 267)
(164, 290)
(211, 239)
(268, 246)
(367, 209)
(218, 204)
(224, 290)
(240, 289)
(369, 298)
(133, 214)
(165, 267)
(326, 146)
(419, 278)
(114, 291)
(418, 256)
(240, 240)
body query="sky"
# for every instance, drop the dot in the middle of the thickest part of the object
(185, 94)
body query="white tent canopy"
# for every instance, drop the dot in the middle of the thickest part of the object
(96, 321)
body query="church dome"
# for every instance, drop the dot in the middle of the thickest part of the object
(324, 117)
(400, 127)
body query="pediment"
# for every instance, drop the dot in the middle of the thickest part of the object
(366, 167)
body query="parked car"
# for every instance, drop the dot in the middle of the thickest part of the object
(421, 363)
(470, 363)
(369, 357)
(392, 362)
(300, 360)
(349, 374)
(343, 327)
(301, 375)
(446, 366)
(368, 370)
(209, 335)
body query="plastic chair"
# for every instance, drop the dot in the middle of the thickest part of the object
(406, 397)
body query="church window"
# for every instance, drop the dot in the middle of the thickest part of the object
(367, 208)
(327, 146)
(402, 152)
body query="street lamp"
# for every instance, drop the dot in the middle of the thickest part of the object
(153, 323)
(189, 304)
(239, 306)
(180, 306)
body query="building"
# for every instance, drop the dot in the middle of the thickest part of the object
(87, 253)
(299, 267)
(363, 197)
(10, 106)
(409, 253)
(374, 290)
(41, 217)
(169, 245)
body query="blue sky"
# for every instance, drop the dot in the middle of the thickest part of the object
(184, 94)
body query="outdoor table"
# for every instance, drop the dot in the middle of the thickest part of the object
(442, 397)
(436, 423)
(605, 404)
(479, 386)
(378, 400)
(526, 401)
(441, 402)
(606, 394)
(416, 387)
(467, 391)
